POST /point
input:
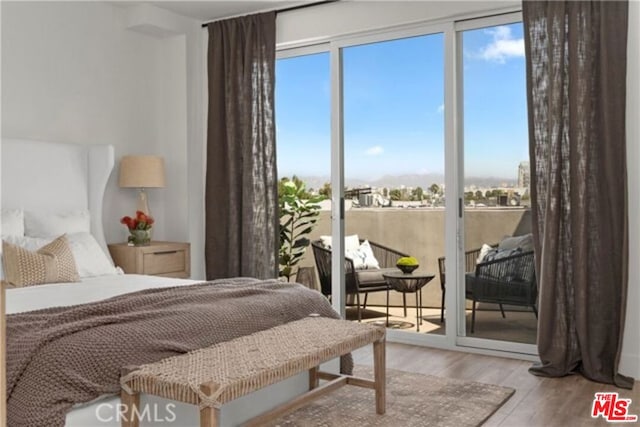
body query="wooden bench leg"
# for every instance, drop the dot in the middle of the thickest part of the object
(380, 376)
(131, 406)
(314, 379)
(209, 417)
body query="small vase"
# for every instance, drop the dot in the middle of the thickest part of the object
(140, 237)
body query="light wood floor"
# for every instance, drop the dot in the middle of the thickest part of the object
(537, 401)
(518, 326)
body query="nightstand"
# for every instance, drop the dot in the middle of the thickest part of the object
(168, 259)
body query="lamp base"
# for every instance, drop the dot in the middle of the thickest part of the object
(143, 204)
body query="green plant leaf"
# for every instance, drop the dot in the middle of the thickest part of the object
(301, 243)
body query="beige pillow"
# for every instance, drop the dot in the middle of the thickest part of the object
(52, 263)
(524, 242)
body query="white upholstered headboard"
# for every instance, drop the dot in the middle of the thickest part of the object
(56, 177)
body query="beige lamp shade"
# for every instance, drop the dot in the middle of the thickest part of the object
(141, 172)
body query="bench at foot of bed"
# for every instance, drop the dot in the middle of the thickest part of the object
(213, 376)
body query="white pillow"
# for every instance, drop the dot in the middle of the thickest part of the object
(11, 222)
(363, 258)
(351, 243)
(29, 243)
(483, 253)
(54, 224)
(89, 257)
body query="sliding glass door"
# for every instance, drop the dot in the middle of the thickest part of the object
(393, 110)
(416, 138)
(497, 283)
(303, 135)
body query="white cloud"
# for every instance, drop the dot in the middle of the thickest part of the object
(374, 151)
(441, 108)
(503, 46)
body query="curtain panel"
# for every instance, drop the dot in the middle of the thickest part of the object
(576, 83)
(241, 203)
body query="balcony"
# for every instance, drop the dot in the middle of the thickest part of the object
(420, 232)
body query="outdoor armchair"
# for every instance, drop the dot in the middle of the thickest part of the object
(470, 258)
(509, 280)
(356, 281)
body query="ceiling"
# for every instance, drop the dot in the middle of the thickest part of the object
(212, 10)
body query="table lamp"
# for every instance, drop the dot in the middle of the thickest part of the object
(142, 172)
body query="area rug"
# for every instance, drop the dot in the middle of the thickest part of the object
(413, 400)
(393, 324)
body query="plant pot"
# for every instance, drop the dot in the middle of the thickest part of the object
(140, 237)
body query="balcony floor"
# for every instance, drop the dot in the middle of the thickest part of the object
(518, 326)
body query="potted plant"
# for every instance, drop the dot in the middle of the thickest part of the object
(407, 264)
(299, 213)
(139, 228)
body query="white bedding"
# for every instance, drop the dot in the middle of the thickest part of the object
(88, 290)
(103, 412)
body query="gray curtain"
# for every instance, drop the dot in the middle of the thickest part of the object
(241, 182)
(576, 74)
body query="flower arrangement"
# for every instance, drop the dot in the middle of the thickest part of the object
(139, 228)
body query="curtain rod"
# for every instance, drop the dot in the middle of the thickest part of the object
(287, 9)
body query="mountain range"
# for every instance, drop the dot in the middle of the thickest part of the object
(408, 180)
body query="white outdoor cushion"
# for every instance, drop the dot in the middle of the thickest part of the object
(351, 243)
(483, 253)
(495, 254)
(11, 222)
(363, 258)
(53, 224)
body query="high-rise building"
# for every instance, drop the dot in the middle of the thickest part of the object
(524, 175)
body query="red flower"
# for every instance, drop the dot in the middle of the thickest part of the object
(128, 221)
(140, 222)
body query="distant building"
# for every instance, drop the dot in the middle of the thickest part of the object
(524, 175)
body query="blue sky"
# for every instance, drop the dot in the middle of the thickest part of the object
(394, 107)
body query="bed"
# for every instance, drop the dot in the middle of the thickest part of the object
(73, 178)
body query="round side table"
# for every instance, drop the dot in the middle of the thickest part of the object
(411, 283)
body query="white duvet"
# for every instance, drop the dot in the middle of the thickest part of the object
(90, 289)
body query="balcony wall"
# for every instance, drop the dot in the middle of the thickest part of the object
(420, 233)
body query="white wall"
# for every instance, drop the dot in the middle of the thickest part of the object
(81, 72)
(72, 73)
(318, 24)
(182, 127)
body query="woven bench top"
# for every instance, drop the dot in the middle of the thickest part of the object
(238, 367)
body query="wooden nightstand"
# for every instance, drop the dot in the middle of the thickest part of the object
(168, 259)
